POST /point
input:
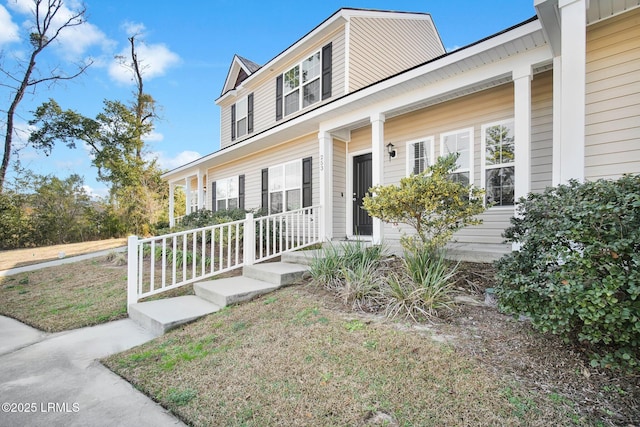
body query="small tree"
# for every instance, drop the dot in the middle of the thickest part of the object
(433, 204)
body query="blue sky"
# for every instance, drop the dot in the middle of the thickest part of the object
(187, 48)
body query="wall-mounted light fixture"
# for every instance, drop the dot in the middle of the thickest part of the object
(391, 150)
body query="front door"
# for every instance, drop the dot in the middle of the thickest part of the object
(362, 180)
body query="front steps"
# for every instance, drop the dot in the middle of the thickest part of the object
(210, 296)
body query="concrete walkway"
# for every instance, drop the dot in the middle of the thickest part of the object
(60, 261)
(58, 379)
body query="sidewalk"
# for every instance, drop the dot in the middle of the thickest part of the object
(61, 261)
(57, 378)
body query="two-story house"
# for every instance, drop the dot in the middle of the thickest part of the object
(368, 97)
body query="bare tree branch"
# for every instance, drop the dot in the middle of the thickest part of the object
(45, 32)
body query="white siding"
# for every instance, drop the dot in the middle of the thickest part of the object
(251, 166)
(381, 47)
(613, 97)
(340, 195)
(264, 89)
(541, 131)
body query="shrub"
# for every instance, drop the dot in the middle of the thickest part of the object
(577, 273)
(432, 203)
(423, 288)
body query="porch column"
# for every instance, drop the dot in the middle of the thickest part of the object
(325, 142)
(522, 132)
(200, 190)
(573, 42)
(187, 190)
(377, 164)
(172, 203)
(556, 164)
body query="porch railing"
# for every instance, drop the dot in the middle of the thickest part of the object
(161, 263)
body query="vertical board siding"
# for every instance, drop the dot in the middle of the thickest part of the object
(340, 195)
(381, 47)
(251, 166)
(612, 133)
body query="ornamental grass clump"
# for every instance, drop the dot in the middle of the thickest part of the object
(577, 273)
(423, 288)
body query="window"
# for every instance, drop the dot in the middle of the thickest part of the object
(499, 167)
(461, 142)
(303, 77)
(227, 194)
(242, 117)
(285, 187)
(419, 155)
(305, 83)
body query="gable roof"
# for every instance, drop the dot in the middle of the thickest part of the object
(340, 16)
(239, 70)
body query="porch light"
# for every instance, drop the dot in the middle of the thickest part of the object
(391, 150)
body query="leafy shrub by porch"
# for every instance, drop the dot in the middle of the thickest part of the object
(577, 273)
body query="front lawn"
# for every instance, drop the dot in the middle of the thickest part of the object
(290, 359)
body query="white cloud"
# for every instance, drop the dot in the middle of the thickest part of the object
(153, 59)
(96, 192)
(75, 40)
(171, 162)
(133, 28)
(451, 49)
(153, 137)
(8, 29)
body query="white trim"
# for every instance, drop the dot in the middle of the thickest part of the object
(284, 188)
(409, 157)
(347, 55)
(325, 169)
(349, 198)
(483, 159)
(471, 132)
(228, 180)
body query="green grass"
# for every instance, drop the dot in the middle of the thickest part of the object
(293, 362)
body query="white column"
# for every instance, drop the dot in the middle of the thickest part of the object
(572, 132)
(172, 204)
(325, 148)
(200, 190)
(557, 120)
(187, 190)
(377, 165)
(522, 132)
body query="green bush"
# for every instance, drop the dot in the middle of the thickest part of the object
(577, 273)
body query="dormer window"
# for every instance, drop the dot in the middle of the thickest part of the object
(305, 83)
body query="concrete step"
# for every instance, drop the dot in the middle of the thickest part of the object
(301, 257)
(162, 315)
(278, 273)
(232, 290)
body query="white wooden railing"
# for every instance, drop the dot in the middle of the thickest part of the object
(161, 263)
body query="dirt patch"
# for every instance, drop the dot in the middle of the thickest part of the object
(21, 257)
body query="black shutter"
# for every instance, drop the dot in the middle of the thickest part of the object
(326, 71)
(250, 113)
(241, 192)
(279, 97)
(233, 122)
(307, 197)
(265, 190)
(214, 205)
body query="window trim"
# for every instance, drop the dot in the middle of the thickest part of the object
(471, 132)
(301, 84)
(483, 159)
(226, 199)
(284, 189)
(244, 100)
(430, 152)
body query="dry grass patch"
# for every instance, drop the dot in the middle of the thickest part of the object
(69, 296)
(285, 359)
(21, 257)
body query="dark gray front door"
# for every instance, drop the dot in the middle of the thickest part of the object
(362, 180)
